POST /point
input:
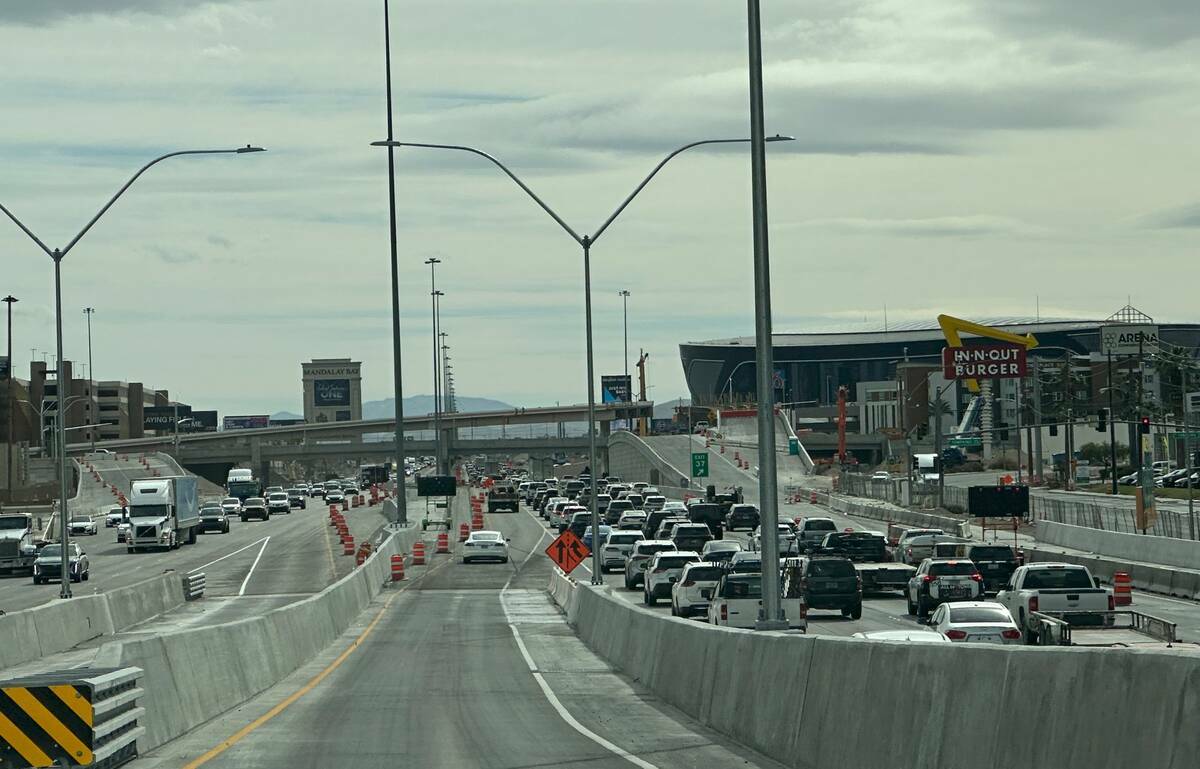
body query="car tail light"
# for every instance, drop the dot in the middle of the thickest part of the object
(976, 577)
(724, 613)
(690, 583)
(1112, 602)
(908, 552)
(1010, 634)
(956, 635)
(1033, 603)
(858, 579)
(927, 578)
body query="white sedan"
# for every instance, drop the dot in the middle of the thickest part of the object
(81, 525)
(975, 622)
(485, 546)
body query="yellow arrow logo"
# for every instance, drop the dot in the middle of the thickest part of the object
(952, 327)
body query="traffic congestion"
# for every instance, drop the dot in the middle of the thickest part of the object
(700, 558)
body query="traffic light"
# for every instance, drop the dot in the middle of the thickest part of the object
(1003, 432)
(1053, 430)
(1102, 420)
(1145, 426)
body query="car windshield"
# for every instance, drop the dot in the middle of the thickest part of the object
(831, 568)
(820, 526)
(230, 501)
(992, 553)
(489, 536)
(952, 569)
(724, 544)
(51, 551)
(656, 548)
(749, 586)
(13, 522)
(1051, 579)
(979, 614)
(80, 519)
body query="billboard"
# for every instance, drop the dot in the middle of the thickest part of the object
(331, 392)
(615, 388)
(202, 422)
(245, 423)
(1128, 339)
(992, 361)
(163, 417)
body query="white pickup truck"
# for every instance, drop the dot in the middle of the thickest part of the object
(1053, 587)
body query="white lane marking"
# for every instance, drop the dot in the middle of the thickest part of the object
(551, 697)
(266, 541)
(227, 555)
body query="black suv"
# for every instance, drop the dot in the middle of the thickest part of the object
(742, 517)
(995, 562)
(615, 508)
(824, 582)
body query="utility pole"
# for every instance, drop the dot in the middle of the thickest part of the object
(1112, 429)
(624, 294)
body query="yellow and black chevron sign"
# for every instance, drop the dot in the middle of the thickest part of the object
(43, 724)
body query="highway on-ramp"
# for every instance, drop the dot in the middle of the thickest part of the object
(463, 666)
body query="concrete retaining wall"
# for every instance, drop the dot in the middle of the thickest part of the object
(192, 676)
(56, 627)
(811, 702)
(1134, 547)
(631, 457)
(891, 514)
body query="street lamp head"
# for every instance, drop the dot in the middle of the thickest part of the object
(623, 292)
(248, 148)
(387, 143)
(10, 299)
(433, 260)
(780, 138)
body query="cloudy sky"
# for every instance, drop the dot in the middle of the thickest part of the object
(968, 157)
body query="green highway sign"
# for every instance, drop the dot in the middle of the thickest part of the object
(966, 443)
(1188, 436)
(699, 464)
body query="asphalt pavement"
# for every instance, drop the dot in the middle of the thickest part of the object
(459, 666)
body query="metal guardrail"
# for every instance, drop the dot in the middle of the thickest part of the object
(193, 586)
(1054, 628)
(71, 718)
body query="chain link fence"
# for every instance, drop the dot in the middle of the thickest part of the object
(1109, 517)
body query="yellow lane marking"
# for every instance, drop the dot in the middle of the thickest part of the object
(246, 730)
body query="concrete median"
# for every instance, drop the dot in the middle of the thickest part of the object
(1154, 578)
(810, 701)
(55, 627)
(1136, 547)
(194, 675)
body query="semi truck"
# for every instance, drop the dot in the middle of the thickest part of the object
(163, 513)
(241, 483)
(18, 551)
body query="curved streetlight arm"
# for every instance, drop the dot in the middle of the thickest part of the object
(134, 178)
(27, 231)
(462, 148)
(663, 162)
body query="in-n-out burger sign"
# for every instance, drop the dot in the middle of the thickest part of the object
(984, 362)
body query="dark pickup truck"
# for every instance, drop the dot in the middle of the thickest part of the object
(868, 551)
(708, 513)
(502, 498)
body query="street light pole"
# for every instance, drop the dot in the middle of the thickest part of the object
(433, 262)
(585, 242)
(89, 311)
(56, 255)
(397, 378)
(624, 294)
(12, 415)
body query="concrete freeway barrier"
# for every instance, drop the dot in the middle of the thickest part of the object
(191, 676)
(1136, 547)
(818, 701)
(52, 628)
(1154, 578)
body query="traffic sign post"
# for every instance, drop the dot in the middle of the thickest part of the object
(568, 551)
(699, 464)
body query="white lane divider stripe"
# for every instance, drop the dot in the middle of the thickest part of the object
(266, 541)
(549, 694)
(227, 555)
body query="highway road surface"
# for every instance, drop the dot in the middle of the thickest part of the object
(464, 666)
(288, 556)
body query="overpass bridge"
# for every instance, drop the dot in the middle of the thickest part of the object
(211, 455)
